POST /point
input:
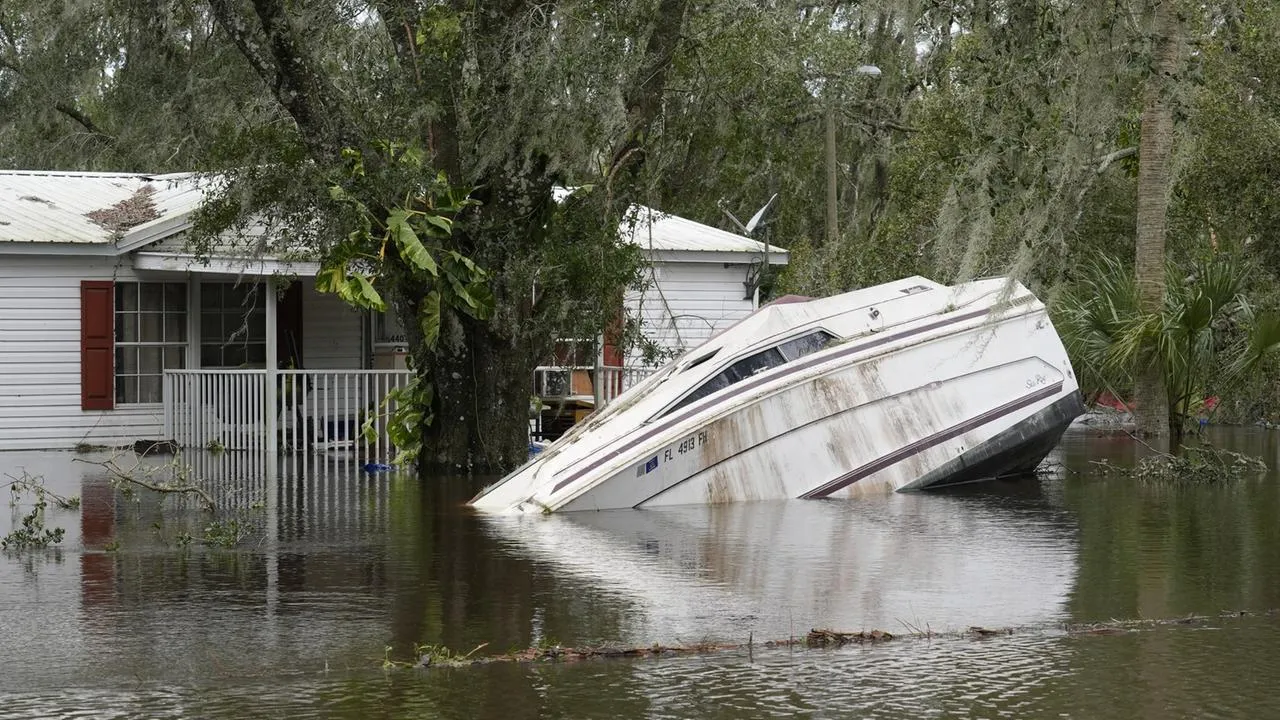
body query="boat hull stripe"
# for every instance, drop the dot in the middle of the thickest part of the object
(742, 387)
(925, 443)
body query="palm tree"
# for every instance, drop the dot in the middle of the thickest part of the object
(1154, 154)
(1205, 336)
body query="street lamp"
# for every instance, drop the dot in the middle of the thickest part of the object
(833, 172)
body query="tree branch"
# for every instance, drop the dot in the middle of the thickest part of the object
(1105, 161)
(66, 108)
(400, 19)
(399, 25)
(85, 121)
(273, 48)
(130, 475)
(246, 39)
(9, 36)
(886, 124)
(644, 97)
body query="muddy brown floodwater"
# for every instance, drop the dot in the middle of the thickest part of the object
(337, 569)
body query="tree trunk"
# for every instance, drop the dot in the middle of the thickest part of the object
(481, 383)
(1153, 412)
(481, 422)
(833, 177)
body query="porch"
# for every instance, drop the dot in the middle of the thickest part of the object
(328, 410)
(309, 410)
(261, 363)
(244, 357)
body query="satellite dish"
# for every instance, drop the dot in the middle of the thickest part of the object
(755, 219)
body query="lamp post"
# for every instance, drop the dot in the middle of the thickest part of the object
(833, 171)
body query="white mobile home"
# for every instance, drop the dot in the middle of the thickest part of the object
(110, 333)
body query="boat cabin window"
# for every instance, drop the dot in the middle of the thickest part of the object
(759, 362)
(805, 345)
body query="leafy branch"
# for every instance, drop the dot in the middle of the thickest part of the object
(151, 477)
(31, 533)
(1207, 336)
(406, 243)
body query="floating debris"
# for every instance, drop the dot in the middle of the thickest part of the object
(829, 638)
(1204, 465)
(1117, 627)
(433, 656)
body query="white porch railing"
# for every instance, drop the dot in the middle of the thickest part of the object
(602, 383)
(216, 408)
(314, 409)
(610, 382)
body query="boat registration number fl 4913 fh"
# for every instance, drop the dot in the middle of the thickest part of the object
(901, 386)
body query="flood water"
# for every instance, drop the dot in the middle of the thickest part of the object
(338, 569)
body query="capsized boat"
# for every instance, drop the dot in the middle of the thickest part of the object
(901, 386)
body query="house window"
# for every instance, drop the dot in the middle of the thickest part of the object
(150, 337)
(233, 326)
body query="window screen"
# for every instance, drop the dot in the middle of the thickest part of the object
(233, 322)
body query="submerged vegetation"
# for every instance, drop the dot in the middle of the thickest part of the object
(1193, 464)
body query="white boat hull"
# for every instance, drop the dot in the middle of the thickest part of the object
(954, 397)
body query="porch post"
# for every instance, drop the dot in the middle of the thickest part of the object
(599, 378)
(272, 375)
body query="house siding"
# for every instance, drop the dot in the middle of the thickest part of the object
(688, 302)
(40, 358)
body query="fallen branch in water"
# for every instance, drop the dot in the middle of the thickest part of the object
(1116, 627)
(831, 638)
(142, 476)
(438, 656)
(35, 484)
(1197, 465)
(30, 531)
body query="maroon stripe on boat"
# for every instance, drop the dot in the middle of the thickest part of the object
(923, 444)
(746, 385)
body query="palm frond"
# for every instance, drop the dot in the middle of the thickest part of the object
(1263, 340)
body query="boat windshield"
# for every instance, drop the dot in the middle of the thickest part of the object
(757, 363)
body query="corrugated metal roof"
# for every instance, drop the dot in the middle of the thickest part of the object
(54, 207)
(659, 231)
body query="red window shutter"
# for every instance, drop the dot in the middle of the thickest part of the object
(97, 345)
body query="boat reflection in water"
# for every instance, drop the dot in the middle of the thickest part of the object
(780, 567)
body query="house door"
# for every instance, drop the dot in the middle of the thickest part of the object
(289, 327)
